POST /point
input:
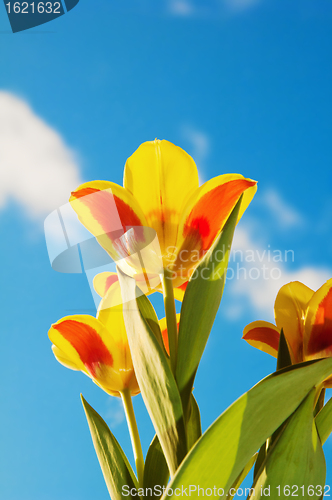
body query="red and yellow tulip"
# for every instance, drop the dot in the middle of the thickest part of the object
(306, 319)
(99, 346)
(161, 192)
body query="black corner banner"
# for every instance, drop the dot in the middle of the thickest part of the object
(70, 4)
(24, 15)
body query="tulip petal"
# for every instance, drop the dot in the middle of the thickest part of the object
(103, 281)
(147, 283)
(110, 315)
(108, 211)
(161, 176)
(64, 359)
(85, 342)
(206, 212)
(289, 309)
(263, 336)
(163, 329)
(81, 339)
(318, 324)
(179, 291)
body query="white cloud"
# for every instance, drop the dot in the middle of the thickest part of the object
(239, 5)
(38, 170)
(284, 214)
(190, 8)
(180, 7)
(114, 414)
(199, 144)
(260, 272)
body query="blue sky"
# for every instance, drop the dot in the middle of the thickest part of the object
(243, 86)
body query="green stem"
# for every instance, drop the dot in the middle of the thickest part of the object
(134, 435)
(171, 322)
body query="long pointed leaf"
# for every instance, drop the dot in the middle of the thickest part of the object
(158, 387)
(114, 464)
(239, 480)
(194, 428)
(324, 421)
(156, 471)
(226, 447)
(295, 463)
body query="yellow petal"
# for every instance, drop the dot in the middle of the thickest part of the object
(64, 359)
(85, 342)
(180, 291)
(110, 314)
(161, 176)
(289, 309)
(108, 211)
(318, 324)
(205, 214)
(263, 336)
(103, 281)
(164, 333)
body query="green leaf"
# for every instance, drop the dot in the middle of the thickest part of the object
(284, 358)
(200, 305)
(324, 421)
(296, 462)
(260, 459)
(151, 318)
(320, 402)
(226, 447)
(283, 361)
(114, 464)
(158, 387)
(238, 481)
(194, 428)
(156, 471)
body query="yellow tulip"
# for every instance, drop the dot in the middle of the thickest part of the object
(161, 192)
(306, 319)
(99, 346)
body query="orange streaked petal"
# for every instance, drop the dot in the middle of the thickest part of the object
(318, 324)
(161, 177)
(79, 338)
(264, 336)
(108, 211)
(85, 343)
(289, 310)
(103, 281)
(179, 291)
(163, 328)
(207, 211)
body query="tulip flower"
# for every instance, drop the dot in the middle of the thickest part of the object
(161, 223)
(161, 192)
(306, 319)
(97, 346)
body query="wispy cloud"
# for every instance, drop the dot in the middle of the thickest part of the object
(239, 5)
(211, 8)
(38, 170)
(256, 274)
(114, 414)
(283, 213)
(199, 146)
(181, 8)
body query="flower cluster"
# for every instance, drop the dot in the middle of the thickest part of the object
(168, 234)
